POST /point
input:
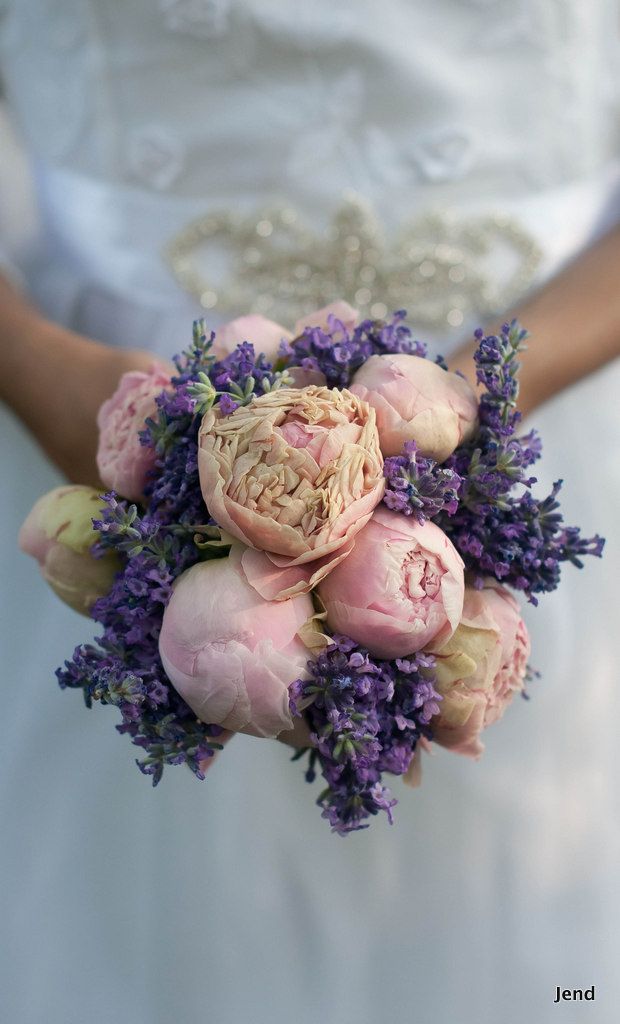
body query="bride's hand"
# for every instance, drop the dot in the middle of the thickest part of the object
(65, 418)
(574, 321)
(55, 380)
(298, 737)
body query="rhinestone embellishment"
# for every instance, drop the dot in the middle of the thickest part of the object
(444, 267)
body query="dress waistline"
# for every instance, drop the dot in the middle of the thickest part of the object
(153, 249)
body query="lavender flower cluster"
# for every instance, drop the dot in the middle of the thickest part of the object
(339, 352)
(499, 527)
(366, 717)
(418, 487)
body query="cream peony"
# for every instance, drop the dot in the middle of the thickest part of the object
(479, 669)
(295, 474)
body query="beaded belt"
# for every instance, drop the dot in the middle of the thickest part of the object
(445, 267)
(438, 265)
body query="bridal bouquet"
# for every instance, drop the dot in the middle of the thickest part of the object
(316, 534)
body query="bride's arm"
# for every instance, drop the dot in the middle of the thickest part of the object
(574, 322)
(55, 380)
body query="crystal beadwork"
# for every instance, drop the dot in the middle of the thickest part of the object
(445, 267)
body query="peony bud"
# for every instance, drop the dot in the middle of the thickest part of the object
(264, 334)
(231, 654)
(415, 400)
(122, 460)
(400, 588)
(59, 533)
(479, 669)
(340, 310)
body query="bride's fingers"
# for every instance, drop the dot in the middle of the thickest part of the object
(224, 737)
(297, 737)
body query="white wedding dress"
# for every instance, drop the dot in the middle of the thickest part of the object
(481, 138)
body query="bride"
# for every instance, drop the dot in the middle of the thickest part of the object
(210, 157)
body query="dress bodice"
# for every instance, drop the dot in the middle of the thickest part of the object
(401, 101)
(228, 96)
(329, 141)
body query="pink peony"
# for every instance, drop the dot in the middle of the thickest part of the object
(296, 474)
(340, 310)
(400, 588)
(230, 654)
(58, 532)
(123, 462)
(265, 335)
(479, 669)
(415, 400)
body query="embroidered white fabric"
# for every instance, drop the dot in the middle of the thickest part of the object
(164, 127)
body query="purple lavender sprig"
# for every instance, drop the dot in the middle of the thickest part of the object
(497, 368)
(243, 374)
(175, 488)
(417, 486)
(522, 544)
(500, 528)
(366, 717)
(339, 352)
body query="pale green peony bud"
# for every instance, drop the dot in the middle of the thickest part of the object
(59, 533)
